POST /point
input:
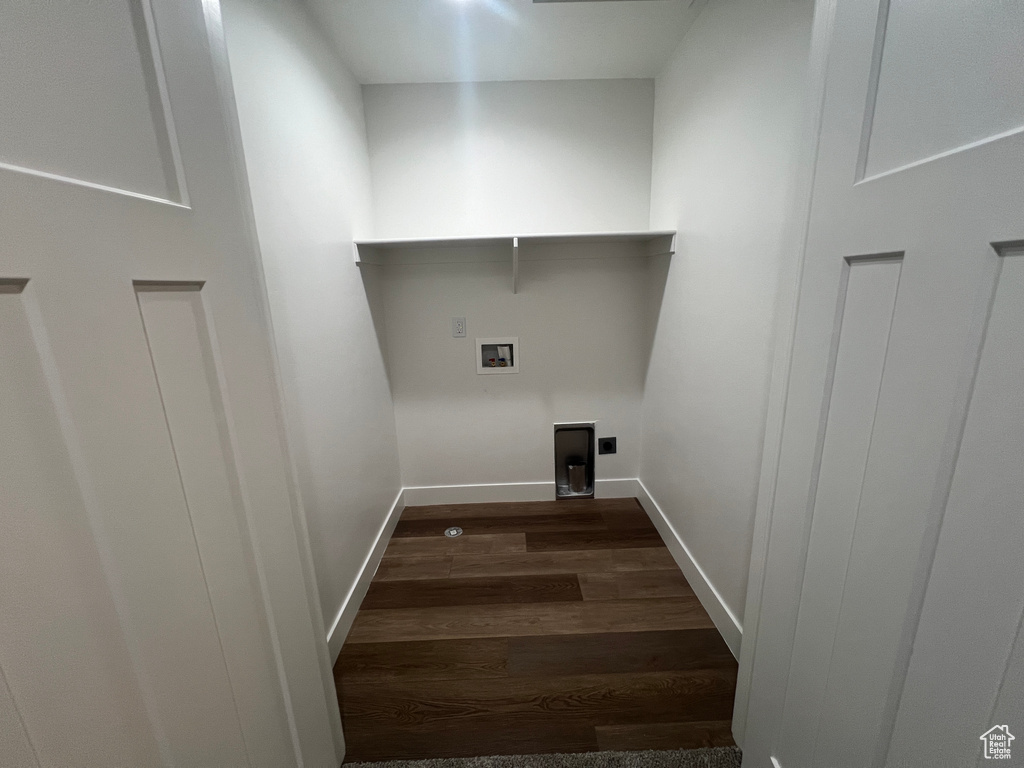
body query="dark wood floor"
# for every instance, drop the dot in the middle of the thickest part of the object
(547, 627)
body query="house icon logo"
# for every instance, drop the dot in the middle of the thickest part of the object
(997, 742)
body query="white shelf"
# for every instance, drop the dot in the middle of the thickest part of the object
(656, 243)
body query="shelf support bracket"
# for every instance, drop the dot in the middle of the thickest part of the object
(515, 265)
(663, 245)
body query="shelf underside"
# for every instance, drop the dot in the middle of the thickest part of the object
(504, 247)
(656, 242)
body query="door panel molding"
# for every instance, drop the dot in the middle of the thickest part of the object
(954, 103)
(82, 695)
(185, 366)
(16, 747)
(165, 140)
(864, 317)
(948, 517)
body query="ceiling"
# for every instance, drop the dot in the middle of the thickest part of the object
(425, 41)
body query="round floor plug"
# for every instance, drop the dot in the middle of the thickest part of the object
(452, 532)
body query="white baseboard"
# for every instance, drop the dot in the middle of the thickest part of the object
(724, 619)
(491, 492)
(478, 494)
(347, 613)
(626, 488)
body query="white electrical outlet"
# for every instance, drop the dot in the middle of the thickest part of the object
(458, 327)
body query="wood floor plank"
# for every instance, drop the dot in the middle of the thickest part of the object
(627, 519)
(484, 544)
(430, 593)
(548, 627)
(481, 736)
(580, 521)
(634, 585)
(517, 620)
(411, 568)
(620, 539)
(705, 733)
(585, 699)
(566, 506)
(604, 653)
(423, 660)
(586, 561)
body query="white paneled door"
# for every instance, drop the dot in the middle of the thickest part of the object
(156, 598)
(892, 601)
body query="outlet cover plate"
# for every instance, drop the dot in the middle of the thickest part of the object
(606, 445)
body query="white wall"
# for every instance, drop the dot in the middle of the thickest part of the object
(303, 132)
(584, 341)
(510, 157)
(727, 111)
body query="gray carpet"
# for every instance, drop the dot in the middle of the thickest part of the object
(713, 757)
